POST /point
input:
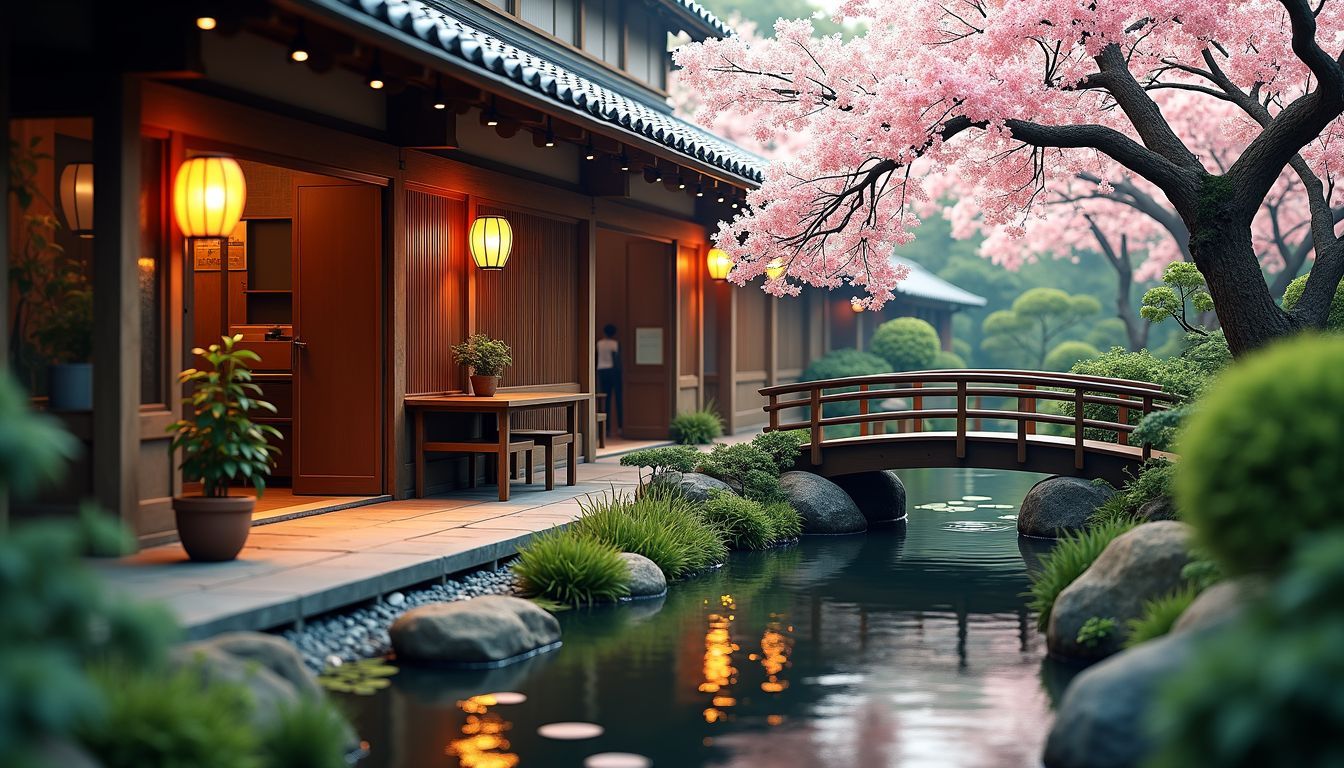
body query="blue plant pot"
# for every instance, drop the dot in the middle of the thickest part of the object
(70, 387)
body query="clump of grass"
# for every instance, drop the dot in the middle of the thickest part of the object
(660, 524)
(696, 427)
(743, 523)
(1160, 615)
(1073, 554)
(785, 522)
(1153, 482)
(310, 733)
(572, 569)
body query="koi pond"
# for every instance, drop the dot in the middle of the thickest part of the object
(907, 646)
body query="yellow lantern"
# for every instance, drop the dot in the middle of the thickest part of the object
(774, 269)
(77, 198)
(208, 196)
(491, 239)
(856, 304)
(720, 264)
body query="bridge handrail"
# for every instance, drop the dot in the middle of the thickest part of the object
(1026, 387)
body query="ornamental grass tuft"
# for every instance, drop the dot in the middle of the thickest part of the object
(1160, 614)
(743, 523)
(660, 524)
(785, 522)
(1073, 554)
(572, 569)
(696, 427)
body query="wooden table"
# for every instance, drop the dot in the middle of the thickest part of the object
(502, 405)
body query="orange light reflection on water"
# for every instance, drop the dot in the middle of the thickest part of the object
(484, 742)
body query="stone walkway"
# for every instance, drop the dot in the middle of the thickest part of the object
(299, 568)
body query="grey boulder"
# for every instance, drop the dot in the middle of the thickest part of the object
(1101, 722)
(824, 506)
(1057, 505)
(692, 485)
(1221, 603)
(481, 630)
(880, 495)
(1140, 565)
(1161, 508)
(646, 578)
(271, 652)
(270, 693)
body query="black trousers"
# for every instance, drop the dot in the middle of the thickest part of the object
(609, 384)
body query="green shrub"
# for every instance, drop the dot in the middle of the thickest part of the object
(785, 522)
(660, 525)
(1067, 354)
(1153, 482)
(948, 361)
(746, 467)
(1160, 428)
(840, 364)
(1159, 615)
(1178, 376)
(961, 348)
(782, 447)
(696, 427)
(1073, 554)
(310, 733)
(1265, 690)
(1261, 460)
(171, 721)
(1209, 352)
(571, 569)
(672, 458)
(1094, 630)
(906, 343)
(1293, 294)
(744, 523)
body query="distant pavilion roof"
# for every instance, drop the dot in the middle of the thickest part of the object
(923, 284)
(601, 95)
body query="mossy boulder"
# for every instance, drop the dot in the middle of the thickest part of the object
(1058, 505)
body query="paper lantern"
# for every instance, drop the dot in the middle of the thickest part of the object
(719, 263)
(77, 198)
(491, 239)
(208, 196)
(774, 269)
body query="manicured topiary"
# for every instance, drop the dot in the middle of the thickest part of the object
(696, 427)
(782, 447)
(843, 363)
(743, 523)
(571, 569)
(948, 361)
(1262, 459)
(1067, 353)
(906, 343)
(1293, 294)
(1182, 377)
(746, 467)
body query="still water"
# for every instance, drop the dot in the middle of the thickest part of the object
(908, 646)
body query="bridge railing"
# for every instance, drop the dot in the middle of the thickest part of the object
(961, 395)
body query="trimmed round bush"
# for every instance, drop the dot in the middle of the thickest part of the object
(1068, 353)
(1262, 457)
(843, 363)
(948, 360)
(1293, 294)
(906, 343)
(571, 569)
(743, 523)
(961, 348)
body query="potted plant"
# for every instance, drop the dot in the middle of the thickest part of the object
(220, 443)
(487, 358)
(63, 332)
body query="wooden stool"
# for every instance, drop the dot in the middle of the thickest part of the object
(601, 430)
(549, 439)
(485, 446)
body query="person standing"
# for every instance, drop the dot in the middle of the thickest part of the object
(609, 374)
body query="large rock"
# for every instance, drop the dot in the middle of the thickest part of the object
(1101, 722)
(482, 630)
(825, 506)
(693, 485)
(646, 578)
(270, 692)
(273, 653)
(1057, 505)
(1138, 566)
(1161, 508)
(880, 495)
(1217, 605)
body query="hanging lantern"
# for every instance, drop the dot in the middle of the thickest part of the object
(77, 198)
(856, 304)
(491, 240)
(208, 196)
(720, 264)
(774, 269)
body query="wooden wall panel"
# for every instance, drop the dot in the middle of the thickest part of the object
(793, 335)
(752, 306)
(689, 313)
(435, 291)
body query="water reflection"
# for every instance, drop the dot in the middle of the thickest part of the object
(909, 646)
(484, 742)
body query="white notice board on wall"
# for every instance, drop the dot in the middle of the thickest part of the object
(648, 346)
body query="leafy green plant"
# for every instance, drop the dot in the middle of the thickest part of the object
(906, 343)
(781, 447)
(1184, 378)
(747, 467)
(483, 355)
(363, 677)
(1094, 630)
(1293, 294)
(1183, 286)
(785, 522)
(696, 427)
(1036, 322)
(35, 449)
(171, 721)
(572, 569)
(1073, 553)
(840, 364)
(1066, 354)
(1202, 570)
(221, 443)
(660, 525)
(670, 458)
(948, 361)
(1160, 428)
(310, 733)
(1267, 438)
(1153, 482)
(744, 523)
(1159, 615)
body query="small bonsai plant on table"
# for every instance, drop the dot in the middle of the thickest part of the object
(220, 444)
(487, 358)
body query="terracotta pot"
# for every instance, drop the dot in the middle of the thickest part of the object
(484, 386)
(213, 529)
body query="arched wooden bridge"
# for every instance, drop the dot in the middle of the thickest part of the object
(899, 438)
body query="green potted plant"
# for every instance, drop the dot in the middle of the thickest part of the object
(63, 332)
(487, 358)
(220, 443)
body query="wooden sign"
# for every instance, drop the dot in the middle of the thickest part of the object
(648, 346)
(205, 251)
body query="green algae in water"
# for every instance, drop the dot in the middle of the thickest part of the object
(361, 678)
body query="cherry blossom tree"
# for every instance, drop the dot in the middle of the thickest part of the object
(1028, 97)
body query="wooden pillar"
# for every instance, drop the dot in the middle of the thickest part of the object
(5, 27)
(116, 300)
(586, 333)
(397, 458)
(725, 325)
(772, 340)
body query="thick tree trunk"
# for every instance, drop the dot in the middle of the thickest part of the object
(1136, 328)
(1246, 310)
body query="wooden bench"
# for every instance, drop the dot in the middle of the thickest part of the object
(550, 439)
(487, 446)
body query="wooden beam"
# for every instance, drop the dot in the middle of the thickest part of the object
(395, 458)
(586, 333)
(603, 177)
(116, 296)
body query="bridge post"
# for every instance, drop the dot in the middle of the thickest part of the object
(863, 411)
(1078, 428)
(1122, 417)
(816, 426)
(774, 414)
(1147, 409)
(1028, 405)
(917, 405)
(961, 419)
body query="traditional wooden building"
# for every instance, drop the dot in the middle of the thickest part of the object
(921, 294)
(371, 134)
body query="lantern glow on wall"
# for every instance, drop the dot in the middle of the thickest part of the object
(208, 196)
(719, 263)
(491, 240)
(76, 188)
(774, 269)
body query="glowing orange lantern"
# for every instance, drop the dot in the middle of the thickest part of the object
(208, 196)
(719, 263)
(491, 240)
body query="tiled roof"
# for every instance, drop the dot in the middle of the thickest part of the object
(702, 13)
(458, 40)
(923, 284)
